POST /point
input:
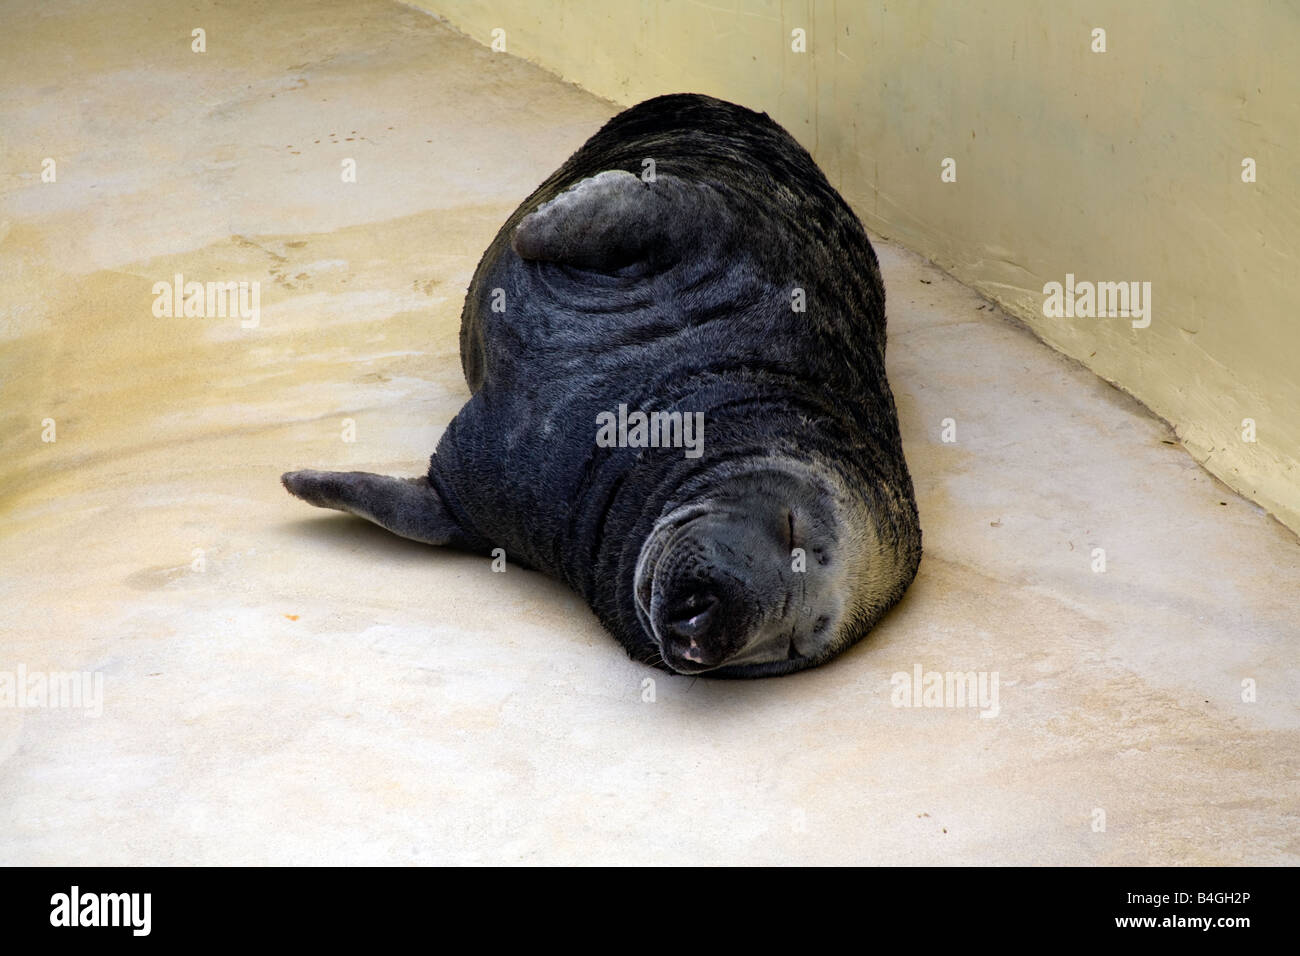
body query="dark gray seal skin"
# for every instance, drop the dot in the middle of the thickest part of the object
(796, 529)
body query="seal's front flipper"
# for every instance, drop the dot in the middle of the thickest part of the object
(410, 507)
(615, 220)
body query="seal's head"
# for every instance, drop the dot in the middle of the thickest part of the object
(775, 570)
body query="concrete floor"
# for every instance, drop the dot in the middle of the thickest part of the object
(286, 686)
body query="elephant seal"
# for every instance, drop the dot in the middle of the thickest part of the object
(752, 513)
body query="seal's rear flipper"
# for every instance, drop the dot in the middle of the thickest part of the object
(615, 219)
(410, 507)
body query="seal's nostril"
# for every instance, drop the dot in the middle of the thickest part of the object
(694, 618)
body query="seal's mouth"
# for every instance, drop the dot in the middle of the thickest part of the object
(665, 529)
(693, 593)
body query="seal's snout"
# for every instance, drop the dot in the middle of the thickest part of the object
(692, 628)
(702, 605)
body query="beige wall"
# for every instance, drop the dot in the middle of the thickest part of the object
(1115, 166)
